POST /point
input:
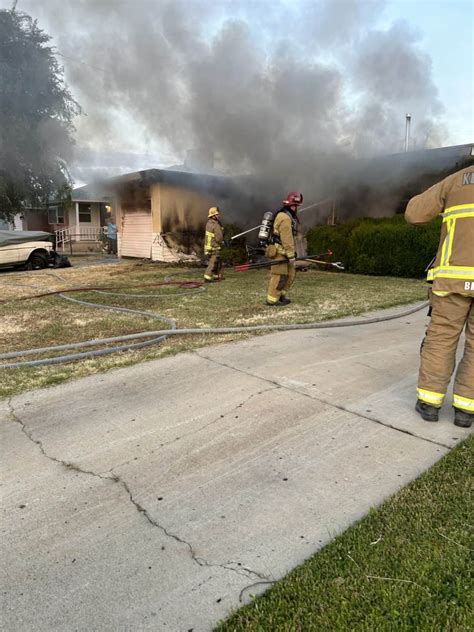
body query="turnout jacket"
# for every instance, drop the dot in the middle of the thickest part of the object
(214, 236)
(453, 199)
(284, 232)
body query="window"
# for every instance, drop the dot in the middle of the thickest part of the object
(55, 215)
(85, 213)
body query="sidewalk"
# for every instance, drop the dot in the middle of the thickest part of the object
(150, 497)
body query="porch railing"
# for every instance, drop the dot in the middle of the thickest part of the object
(65, 236)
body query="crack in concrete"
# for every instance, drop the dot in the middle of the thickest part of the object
(197, 560)
(115, 478)
(327, 403)
(66, 464)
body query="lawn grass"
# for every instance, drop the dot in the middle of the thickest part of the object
(239, 300)
(406, 566)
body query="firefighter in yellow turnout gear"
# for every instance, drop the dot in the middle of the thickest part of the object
(282, 246)
(212, 245)
(452, 297)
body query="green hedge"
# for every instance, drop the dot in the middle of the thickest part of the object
(235, 252)
(388, 246)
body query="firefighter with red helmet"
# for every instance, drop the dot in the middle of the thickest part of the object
(282, 246)
(212, 245)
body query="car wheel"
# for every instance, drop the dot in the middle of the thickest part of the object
(37, 261)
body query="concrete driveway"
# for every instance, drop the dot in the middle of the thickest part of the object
(161, 496)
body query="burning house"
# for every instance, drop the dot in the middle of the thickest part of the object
(161, 214)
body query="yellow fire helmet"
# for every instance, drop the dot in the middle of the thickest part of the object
(214, 210)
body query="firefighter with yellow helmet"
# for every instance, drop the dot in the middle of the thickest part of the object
(452, 297)
(282, 246)
(212, 245)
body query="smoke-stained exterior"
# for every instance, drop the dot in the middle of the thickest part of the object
(177, 203)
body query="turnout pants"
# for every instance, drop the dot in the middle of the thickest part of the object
(214, 267)
(282, 277)
(450, 315)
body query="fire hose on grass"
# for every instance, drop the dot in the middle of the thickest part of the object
(159, 335)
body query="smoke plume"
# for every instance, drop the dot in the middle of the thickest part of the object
(286, 90)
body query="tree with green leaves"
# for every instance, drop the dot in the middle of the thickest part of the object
(36, 114)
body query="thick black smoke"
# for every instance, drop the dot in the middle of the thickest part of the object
(286, 91)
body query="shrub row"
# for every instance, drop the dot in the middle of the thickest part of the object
(387, 246)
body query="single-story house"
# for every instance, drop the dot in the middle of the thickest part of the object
(161, 214)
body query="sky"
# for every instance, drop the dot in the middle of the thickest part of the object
(447, 31)
(262, 82)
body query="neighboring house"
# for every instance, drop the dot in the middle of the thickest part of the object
(91, 206)
(81, 221)
(29, 219)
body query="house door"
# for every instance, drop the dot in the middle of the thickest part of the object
(136, 237)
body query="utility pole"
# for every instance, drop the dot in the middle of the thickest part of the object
(407, 131)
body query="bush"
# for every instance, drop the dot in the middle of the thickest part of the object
(335, 238)
(387, 246)
(235, 252)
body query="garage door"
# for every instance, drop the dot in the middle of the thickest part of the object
(136, 235)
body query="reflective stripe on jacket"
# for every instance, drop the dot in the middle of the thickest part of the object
(214, 236)
(453, 198)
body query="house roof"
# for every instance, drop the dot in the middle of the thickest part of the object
(395, 171)
(94, 192)
(439, 158)
(391, 166)
(150, 176)
(210, 171)
(102, 191)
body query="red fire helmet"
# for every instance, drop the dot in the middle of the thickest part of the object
(293, 199)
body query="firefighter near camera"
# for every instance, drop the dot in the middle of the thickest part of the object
(213, 241)
(277, 233)
(452, 297)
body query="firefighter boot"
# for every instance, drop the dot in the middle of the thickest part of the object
(463, 418)
(427, 412)
(277, 304)
(283, 300)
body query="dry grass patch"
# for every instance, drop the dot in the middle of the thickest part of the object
(239, 300)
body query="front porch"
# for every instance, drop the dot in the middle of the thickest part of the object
(84, 224)
(79, 238)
